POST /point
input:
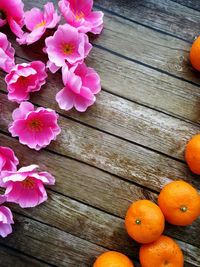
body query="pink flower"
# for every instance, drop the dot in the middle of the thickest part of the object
(11, 11)
(6, 218)
(81, 83)
(6, 53)
(26, 187)
(67, 44)
(25, 78)
(37, 23)
(37, 128)
(79, 15)
(8, 160)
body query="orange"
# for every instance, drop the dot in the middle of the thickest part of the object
(113, 259)
(144, 221)
(195, 54)
(163, 252)
(180, 203)
(192, 154)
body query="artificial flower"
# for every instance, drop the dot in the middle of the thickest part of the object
(37, 128)
(11, 11)
(37, 23)
(79, 15)
(81, 83)
(25, 78)
(26, 187)
(7, 61)
(8, 160)
(6, 218)
(67, 45)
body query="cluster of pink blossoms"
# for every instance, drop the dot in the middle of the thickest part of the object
(66, 50)
(24, 187)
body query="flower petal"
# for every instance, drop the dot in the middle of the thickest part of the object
(28, 198)
(21, 112)
(65, 98)
(32, 18)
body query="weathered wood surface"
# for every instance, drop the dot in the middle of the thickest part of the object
(112, 154)
(166, 16)
(98, 188)
(163, 92)
(193, 4)
(51, 244)
(75, 218)
(123, 118)
(124, 148)
(10, 257)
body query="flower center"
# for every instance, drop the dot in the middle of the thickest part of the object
(35, 125)
(67, 48)
(28, 183)
(78, 16)
(23, 80)
(41, 24)
(2, 14)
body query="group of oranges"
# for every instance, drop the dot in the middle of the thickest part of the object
(178, 204)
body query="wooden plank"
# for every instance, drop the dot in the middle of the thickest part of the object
(95, 188)
(189, 259)
(163, 15)
(110, 153)
(127, 120)
(85, 222)
(161, 91)
(50, 244)
(63, 124)
(151, 48)
(145, 45)
(90, 224)
(193, 4)
(95, 226)
(9, 257)
(124, 118)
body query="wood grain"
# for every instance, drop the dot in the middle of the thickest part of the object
(10, 257)
(148, 47)
(140, 43)
(126, 119)
(95, 226)
(166, 16)
(123, 118)
(50, 244)
(120, 150)
(193, 4)
(110, 153)
(88, 223)
(96, 188)
(165, 93)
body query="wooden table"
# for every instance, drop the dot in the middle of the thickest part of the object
(124, 148)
